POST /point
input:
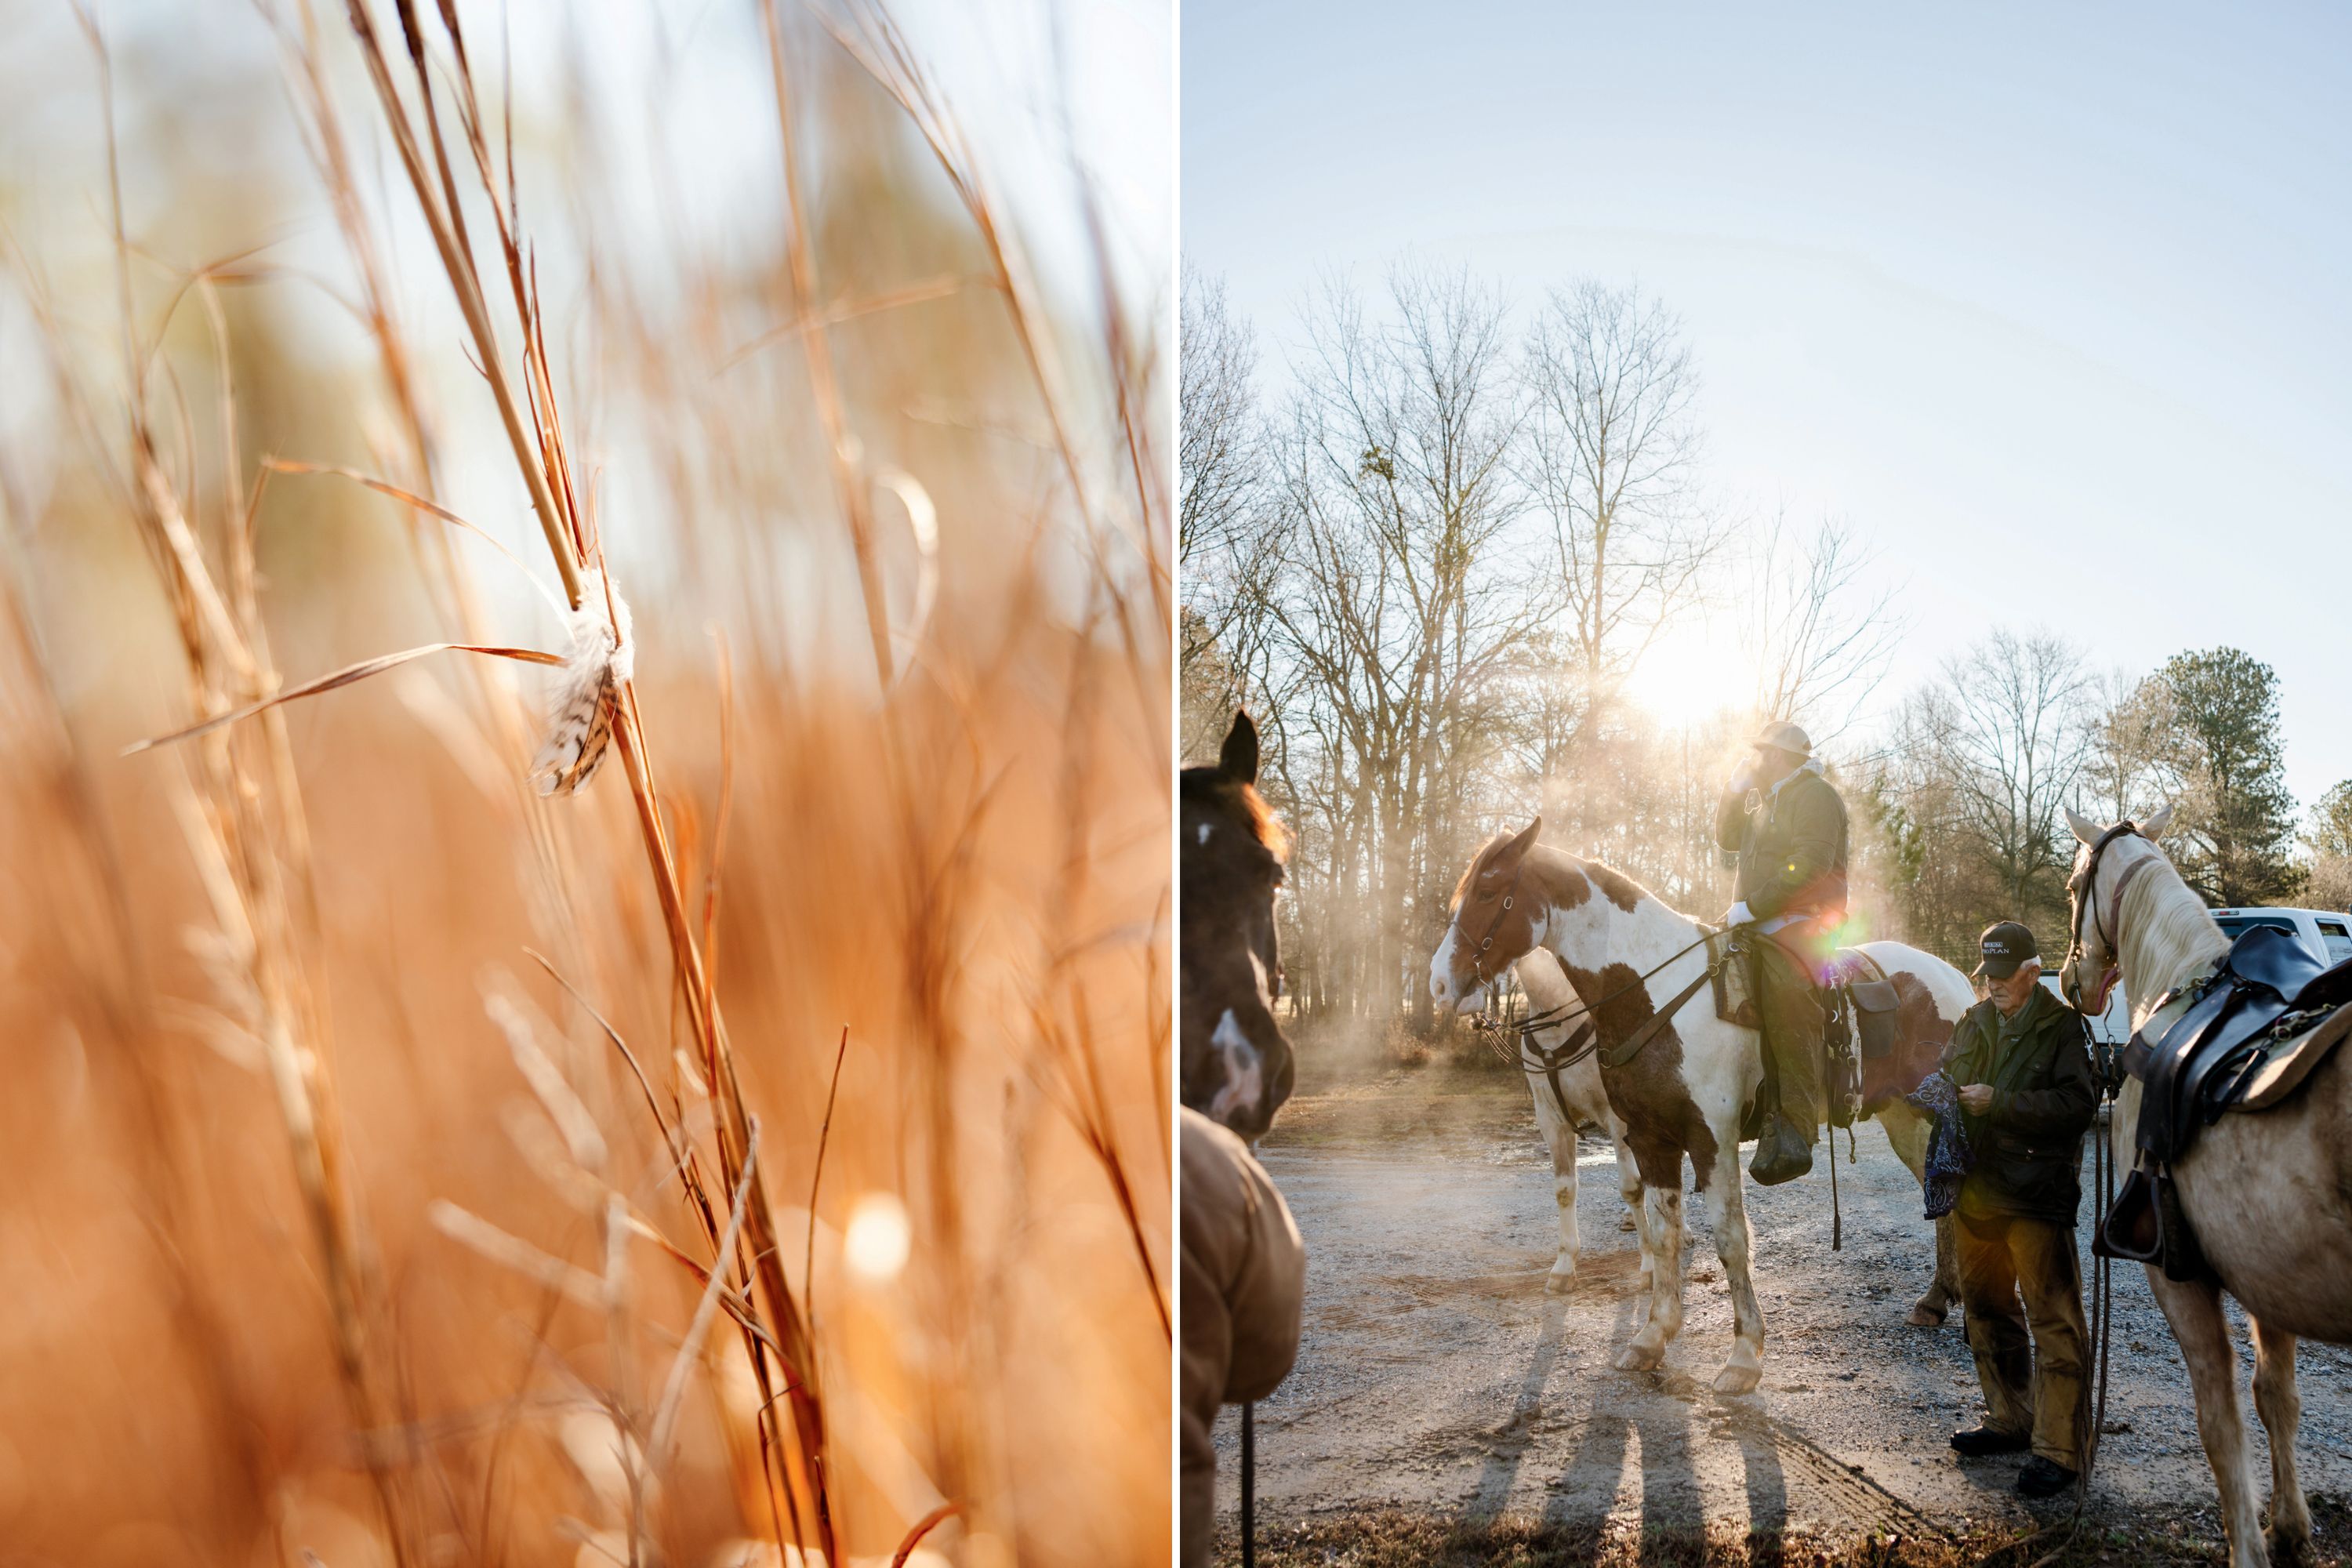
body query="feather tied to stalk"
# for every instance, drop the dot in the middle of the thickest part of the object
(579, 720)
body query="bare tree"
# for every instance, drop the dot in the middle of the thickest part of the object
(1815, 635)
(1396, 490)
(1609, 458)
(2015, 725)
(1218, 438)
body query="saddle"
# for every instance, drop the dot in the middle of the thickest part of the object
(1859, 1006)
(2251, 1032)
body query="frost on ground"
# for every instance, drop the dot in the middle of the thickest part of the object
(1438, 1384)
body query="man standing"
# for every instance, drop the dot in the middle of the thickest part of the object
(2027, 1096)
(1786, 824)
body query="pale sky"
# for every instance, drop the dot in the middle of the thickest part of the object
(2052, 303)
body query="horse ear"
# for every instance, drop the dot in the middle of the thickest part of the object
(1238, 760)
(2085, 831)
(2157, 821)
(1511, 852)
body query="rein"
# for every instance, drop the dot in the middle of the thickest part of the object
(1583, 1042)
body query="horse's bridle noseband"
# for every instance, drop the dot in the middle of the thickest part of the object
(2086, 904)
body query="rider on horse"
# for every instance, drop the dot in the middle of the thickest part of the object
(1787, 825)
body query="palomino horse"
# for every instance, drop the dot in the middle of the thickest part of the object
(2269, 1194)
(1683, 1096)
(1234, 1066)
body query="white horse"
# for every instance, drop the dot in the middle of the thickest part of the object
(1586, 1103)
(1623, 952)
(2268, 1193)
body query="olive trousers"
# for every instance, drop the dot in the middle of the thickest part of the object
(1790, 1011)
(2021, 1288)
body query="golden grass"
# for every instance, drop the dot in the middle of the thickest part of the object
(412, 1169)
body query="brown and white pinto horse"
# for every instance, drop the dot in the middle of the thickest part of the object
(1683, 1097)
(2268, 1193)
(1234, 1063)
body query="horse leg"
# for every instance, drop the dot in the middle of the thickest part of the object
(2289, 1537)
(1629, 1187)
(1726, 1216)
(2194, 1311)
(1907, 1133)
(1560, 1137)
(1662, 1205)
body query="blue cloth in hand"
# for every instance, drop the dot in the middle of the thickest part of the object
(1950, 1158)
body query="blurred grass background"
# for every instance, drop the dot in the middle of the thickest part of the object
(962, 862)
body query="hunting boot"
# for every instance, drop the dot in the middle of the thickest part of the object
(1791, 1016)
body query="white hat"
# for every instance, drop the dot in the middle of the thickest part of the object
(1787, 737)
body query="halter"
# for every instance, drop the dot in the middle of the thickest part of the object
(2086, 904)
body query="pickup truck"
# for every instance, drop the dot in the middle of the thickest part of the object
(2327, 932)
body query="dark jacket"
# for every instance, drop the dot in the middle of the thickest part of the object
(1791, 848)
(2029, 1146)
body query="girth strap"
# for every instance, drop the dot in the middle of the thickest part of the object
(1552, 1063)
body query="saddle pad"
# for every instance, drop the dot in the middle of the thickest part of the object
(2291, 1063)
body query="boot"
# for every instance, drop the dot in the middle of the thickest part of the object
(1783, 1153)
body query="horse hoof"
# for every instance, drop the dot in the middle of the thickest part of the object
(1640, 1358)
(1625, 1222)
(1556, 1284)
(1923, 1318)
(2288, 1550)
(1738, 1380)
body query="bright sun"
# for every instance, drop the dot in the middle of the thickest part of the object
(1692, 673)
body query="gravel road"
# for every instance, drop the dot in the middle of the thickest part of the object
(1436, 1375)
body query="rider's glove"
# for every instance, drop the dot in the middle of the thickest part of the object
(1738, 915)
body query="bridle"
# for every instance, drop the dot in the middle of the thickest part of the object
(1510, 896)
(2086, 906)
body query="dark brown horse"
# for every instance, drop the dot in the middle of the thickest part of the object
(1234, 1066)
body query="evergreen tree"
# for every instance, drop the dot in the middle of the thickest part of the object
(2236, 836)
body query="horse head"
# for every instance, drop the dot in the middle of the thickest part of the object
(1493, 925)
(1235, 1066)
(2094, 888)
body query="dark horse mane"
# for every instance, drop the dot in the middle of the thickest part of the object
(1212, 787)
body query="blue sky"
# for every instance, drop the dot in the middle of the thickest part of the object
(2054, 302)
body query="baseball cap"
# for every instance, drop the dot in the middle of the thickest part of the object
(2004, 945)
(1787, 737)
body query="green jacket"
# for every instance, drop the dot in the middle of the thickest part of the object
(2029, 1146)
(1791, 848)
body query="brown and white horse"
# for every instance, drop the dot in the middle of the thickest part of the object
(1233, 1064)
(1683, 1097)
(2268, 1193)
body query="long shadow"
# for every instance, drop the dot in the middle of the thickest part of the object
(1501, 1470)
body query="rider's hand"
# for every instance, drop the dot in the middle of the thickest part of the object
(1738, 915)
(1976, 1098)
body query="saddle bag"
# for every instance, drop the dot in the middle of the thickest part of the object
(1875, 1009)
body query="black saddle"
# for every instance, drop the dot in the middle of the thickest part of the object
(2268, 992)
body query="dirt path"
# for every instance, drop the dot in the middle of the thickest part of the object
(1436, 1376)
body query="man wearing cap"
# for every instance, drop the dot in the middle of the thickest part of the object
(2027, 1096)
(1784, 821)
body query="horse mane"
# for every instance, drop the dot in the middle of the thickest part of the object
(2167, 927)
(1598, 873)
(1211, 786)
